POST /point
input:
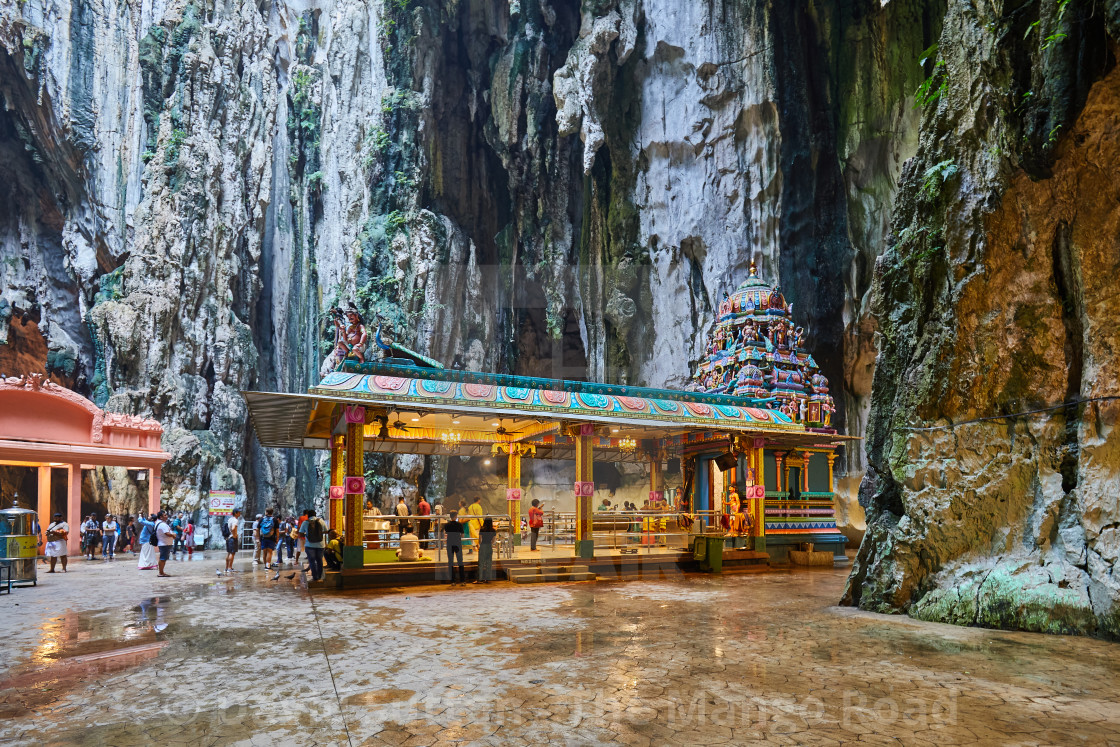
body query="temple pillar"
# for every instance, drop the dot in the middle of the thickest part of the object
(655, 482)
(760, 503)
(336, 499)
(584, 489)
(43, 507)
(353, 546)
(154, 485)
(74, 509)
(831, 459)
(513, 493)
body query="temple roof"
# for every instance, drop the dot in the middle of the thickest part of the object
(410, 410)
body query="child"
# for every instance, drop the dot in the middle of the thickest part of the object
(333, 553)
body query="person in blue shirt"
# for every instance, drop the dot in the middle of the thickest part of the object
(314, 533)
(148, 555)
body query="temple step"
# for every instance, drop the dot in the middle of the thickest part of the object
(550, 574)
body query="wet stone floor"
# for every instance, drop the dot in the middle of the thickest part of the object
(108, 655)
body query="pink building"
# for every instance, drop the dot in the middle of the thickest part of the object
(44, 425)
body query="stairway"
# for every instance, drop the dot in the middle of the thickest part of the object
(543, 574)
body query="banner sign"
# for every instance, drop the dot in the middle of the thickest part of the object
(222, 501)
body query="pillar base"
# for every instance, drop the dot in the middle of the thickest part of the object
(353, 557)
(585, 549)
(759, 544)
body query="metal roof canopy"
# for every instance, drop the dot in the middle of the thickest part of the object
(304, 420)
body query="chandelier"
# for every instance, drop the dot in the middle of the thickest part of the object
(451, 439)
(627, 444)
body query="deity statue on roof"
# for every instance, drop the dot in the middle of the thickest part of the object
(350, 339)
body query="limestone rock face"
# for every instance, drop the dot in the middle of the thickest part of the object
(991, 489)
(536, 187)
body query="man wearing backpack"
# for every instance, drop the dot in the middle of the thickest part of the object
(269, 529)
(231, 531)
(312, 531)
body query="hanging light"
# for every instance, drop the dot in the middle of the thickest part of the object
(627, 444)
(451, 439)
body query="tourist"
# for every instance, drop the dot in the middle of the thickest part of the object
(312, 531)
(536, 521)
(333, 551)
(300, 540)
(486, 552)
(133, 533)
(231, 530)
(403, 526)
(453, 532)
(269, 530)
(423, 508)
(604, 506)
(165, 540)
(177, 533)
(109, 529)
(188, 536)
(91, 535)
(257, 539)
(475, 509)
(285, 540)
(58, 532)
(147, 561)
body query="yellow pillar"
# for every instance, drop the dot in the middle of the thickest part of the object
(336, 509)
(513, 492)
(760, 504)
(584, 490)
(655, 482)
(353, 547)
(831, 459)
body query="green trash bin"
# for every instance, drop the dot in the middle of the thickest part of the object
(707, 549)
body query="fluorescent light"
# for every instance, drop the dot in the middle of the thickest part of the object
(416, 420)
(614, 430)
(496, 425)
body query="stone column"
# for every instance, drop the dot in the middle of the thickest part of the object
(584, 489)
(43, 508)
(74, 510)
(336, 500)
(153, 490)
(353, 546)
(513, 492)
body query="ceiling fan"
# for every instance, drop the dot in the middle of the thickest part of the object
(501, 428)
(399, 425)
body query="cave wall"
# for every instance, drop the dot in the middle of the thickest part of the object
(551, 188)
(993, 461)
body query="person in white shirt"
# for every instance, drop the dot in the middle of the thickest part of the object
(165, 538)
(57, 533)
(403, 525)
(109, 529)
(233, 527)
